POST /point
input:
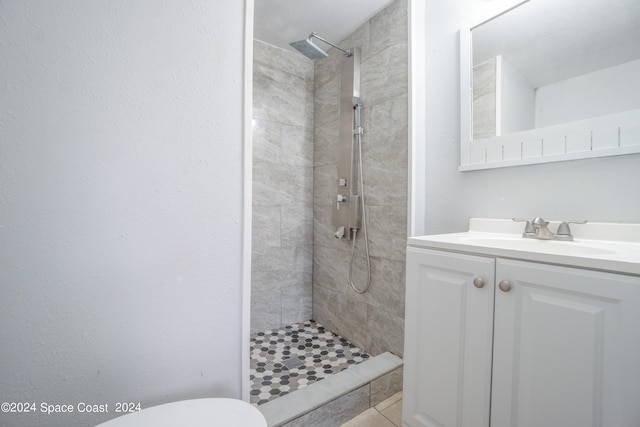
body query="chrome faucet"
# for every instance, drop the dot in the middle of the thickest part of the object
(539, 229)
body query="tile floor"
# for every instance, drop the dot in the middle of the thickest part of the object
(385, 414)
(288, 359)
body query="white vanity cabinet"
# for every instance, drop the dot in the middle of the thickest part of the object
(528, 345)
(448, 339)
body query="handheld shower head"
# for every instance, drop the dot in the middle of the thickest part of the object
(309, 49)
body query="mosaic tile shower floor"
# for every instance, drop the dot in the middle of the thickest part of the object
(291, 358)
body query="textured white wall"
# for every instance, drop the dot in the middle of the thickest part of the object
(120, 203)
(596, 189)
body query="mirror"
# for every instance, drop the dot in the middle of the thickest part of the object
(551, 80)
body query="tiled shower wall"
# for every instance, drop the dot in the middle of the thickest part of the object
(282, 233)
(373, 321)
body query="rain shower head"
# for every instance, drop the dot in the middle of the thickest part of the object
(312, 51)
(309, 49)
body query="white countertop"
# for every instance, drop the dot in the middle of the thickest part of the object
(611, 247)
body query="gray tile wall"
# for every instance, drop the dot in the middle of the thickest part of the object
(484, 99)
(282, 236)
(336, 412)
(375, 320)
(351, 404)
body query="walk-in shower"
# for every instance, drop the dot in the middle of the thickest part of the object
(306, 321)
(349, 214)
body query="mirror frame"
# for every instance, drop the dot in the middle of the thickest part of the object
(610, 135)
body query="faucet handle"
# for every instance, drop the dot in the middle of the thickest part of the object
(564, 232)
(529, 231)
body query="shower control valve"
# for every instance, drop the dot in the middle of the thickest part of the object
(342, 182)
(340, 198)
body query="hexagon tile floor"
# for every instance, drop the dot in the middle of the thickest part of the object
(295, 356)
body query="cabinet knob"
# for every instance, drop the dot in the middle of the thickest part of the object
(504, 286)
(478, 282)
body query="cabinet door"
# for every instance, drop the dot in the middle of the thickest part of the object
(448, 335)
(566, 348)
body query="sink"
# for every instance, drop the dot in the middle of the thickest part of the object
(534, 245)
(598, 246)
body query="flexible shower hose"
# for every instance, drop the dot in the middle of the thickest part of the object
(364, 228)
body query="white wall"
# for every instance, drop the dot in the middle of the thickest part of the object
(596, 189)
(611, 90)
(121, 191)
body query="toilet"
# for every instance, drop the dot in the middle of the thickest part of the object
(211, 412)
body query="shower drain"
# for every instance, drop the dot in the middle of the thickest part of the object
(293, 363)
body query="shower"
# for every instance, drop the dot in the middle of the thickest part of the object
(352, 217)
(313, 103)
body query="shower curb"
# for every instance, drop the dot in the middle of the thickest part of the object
(291, 406)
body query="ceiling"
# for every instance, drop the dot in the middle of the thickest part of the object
(280, 22)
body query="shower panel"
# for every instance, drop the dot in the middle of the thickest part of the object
(349, 215)
(347, 210)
